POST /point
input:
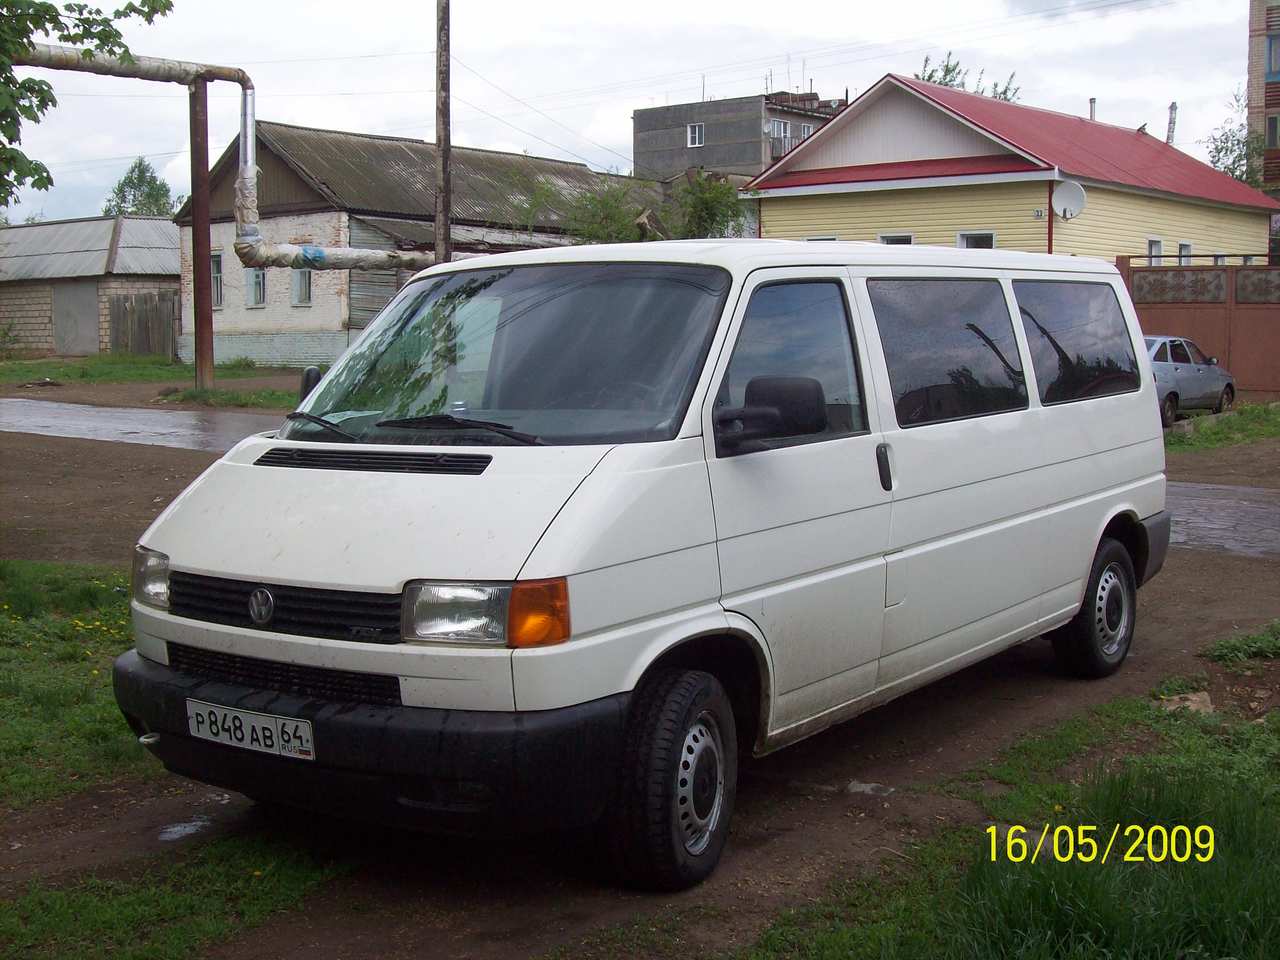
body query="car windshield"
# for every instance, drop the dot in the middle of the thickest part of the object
(558, 354)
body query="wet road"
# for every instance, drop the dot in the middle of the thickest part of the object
(210, 430)
(1243, 520)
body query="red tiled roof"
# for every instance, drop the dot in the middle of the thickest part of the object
(1078, 147)
(907, 170)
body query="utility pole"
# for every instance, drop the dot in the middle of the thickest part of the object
(201, 265)
(443, 180)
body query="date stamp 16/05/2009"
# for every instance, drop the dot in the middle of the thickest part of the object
(1089, 843)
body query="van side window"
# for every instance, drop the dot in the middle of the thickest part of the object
(1080, 344)
(799, 329)
(949, 347)
(1162, 353)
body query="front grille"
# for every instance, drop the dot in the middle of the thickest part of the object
(304, 611)
(376, 461)
(340, 686)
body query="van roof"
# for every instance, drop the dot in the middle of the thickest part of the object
(744, 255)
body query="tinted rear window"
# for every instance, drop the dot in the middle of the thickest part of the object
(950, 349)
(1080, 345)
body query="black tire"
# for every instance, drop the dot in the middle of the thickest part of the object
(1225, 399)
(1097, 639)
(1168, 410)
(677, 784)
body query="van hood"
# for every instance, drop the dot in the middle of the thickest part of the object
(364, 529)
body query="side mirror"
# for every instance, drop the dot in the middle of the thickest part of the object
(1213, 361)
(774, 407)
(310, 377)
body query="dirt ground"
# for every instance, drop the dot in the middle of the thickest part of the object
(795, 829)
(144, 394)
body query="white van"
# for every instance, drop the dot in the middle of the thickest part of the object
(566, 530)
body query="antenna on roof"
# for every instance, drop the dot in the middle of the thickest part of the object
(1143, 128)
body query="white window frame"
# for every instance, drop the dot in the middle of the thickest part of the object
(1155, 252)
(779, 129)
(976, 233)
(1219, 259)
(806, 131)
(296, 281)
(215, 279)
(884, 238)
(695, 135)
(251, 275)
(828, 237)
(1184, 253)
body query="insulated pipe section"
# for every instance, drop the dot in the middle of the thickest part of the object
(250, 247)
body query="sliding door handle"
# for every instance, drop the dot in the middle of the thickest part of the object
(882, 462)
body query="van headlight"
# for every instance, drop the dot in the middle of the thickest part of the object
(151, 577)
(528, 613)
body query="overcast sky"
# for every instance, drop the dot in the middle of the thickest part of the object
(580, 68)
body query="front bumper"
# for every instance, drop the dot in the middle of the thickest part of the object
(428, 768)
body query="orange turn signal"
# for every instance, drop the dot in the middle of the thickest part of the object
(538, 614)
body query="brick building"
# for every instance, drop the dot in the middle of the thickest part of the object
(58, 279)
(1264, 85)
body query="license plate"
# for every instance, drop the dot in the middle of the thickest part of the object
(264, 732)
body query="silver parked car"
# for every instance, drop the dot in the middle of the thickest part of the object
(1186, 379)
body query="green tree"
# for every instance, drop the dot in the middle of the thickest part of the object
(950, 73)
(22, 23)
(1233, 147)
(140, 191)
(705, 205)
(607, 214)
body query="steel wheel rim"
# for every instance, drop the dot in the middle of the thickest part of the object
(700, 784)
(1112, 610)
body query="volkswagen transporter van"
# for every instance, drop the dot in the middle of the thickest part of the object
(566, 532)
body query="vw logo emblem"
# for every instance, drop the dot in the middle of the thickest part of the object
(262, 606)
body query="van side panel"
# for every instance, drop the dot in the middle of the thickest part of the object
(645, 579)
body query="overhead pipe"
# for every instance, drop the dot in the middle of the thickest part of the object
(250, 247)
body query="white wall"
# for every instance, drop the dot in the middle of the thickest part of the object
(277, 332)
(894, 127)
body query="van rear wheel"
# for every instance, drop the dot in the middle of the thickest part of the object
(678, 782)
(1096, 641)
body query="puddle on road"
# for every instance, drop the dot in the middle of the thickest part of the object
(188, 828)
(210, 430)
(1243, 520)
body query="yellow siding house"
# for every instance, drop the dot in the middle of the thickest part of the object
(913, 162)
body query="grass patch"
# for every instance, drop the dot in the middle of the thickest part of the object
(1248, 424)
(272, 399)
(60, 628)
(949, 900)
(171, 910)
(1177, 686)
(1263, 645)
(116, 368)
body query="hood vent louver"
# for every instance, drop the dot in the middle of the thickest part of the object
(376, 461)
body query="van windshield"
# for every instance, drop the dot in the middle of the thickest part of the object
(558, 354)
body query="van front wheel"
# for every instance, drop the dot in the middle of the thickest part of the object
(1097, 640)
(678, 781)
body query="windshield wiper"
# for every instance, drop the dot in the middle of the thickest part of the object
(447, 421)
(322, 422)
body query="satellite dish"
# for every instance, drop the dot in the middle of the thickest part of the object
(1068, 199)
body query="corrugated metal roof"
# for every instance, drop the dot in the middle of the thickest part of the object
(81, 248)
(421, 234)
(147, 245)
(395, 176)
